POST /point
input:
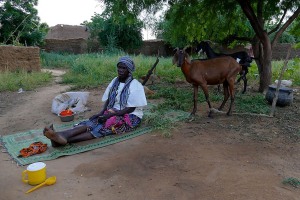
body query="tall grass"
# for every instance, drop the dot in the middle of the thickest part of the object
(12, 81)
(292, 72)
(92, 70)
(55, 60)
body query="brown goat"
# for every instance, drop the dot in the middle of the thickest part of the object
(209, 72)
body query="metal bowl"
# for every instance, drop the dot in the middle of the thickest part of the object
(66, 118)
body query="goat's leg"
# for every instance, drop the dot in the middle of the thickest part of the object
(239, 79)
(205, 91)
(195, 99)
(232, 94)
(243, 77)
(226, 95)
(245, 83)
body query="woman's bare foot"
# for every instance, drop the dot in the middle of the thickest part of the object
(53, 143)
(56, 139)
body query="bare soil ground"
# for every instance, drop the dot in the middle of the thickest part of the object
(237, 157)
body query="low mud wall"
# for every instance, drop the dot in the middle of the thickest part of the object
(154, 48)
(280, 52)
(13, 58)
(148, 48)
(75, 46)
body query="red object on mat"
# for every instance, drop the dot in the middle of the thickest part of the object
(34, 148)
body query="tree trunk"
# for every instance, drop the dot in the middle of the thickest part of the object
(263, 56)
(257, 53)
(266, 72)
(263, 48)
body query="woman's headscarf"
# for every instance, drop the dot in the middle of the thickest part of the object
(128, 62)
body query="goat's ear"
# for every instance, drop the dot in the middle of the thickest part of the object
(188, 50)
(175, 50)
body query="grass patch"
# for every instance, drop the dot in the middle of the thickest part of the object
(181, 98)
(291, 181)
(251, 103)
(158, 122)
(12, 81)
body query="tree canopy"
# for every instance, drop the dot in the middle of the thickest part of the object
(20, 24)
(116, 30)
(260, 22)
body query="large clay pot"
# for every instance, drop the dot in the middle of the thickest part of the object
(285, 95)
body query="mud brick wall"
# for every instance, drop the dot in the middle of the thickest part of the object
(14, 58)
(148, 48)
(152, 47)
(280, 52)
(75, 46)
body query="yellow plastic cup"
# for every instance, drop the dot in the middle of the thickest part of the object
(35, 173)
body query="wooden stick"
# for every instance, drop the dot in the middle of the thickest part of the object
(279, 82)
(150, 72)
(251, 114)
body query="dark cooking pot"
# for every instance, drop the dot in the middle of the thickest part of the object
(285, 95)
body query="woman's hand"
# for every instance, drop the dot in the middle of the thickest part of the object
(103, 118)
(94, 117)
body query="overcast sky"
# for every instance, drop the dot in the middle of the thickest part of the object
(71, 12)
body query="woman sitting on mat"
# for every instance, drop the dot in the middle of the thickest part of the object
(122, 111)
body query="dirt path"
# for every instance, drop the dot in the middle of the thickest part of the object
(237, 157)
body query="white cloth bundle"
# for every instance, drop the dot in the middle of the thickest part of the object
(75, 101)
(284, 83)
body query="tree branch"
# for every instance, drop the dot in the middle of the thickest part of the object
(279, 81)
(278, 25)
(284, 27)
(248, 11)
(234, 37)
(251, 114)
(260, 5)
(150, 72)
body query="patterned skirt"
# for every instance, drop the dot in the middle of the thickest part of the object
(114, 125)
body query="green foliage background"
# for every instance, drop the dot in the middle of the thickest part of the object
(116, 31)
(20, 24)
